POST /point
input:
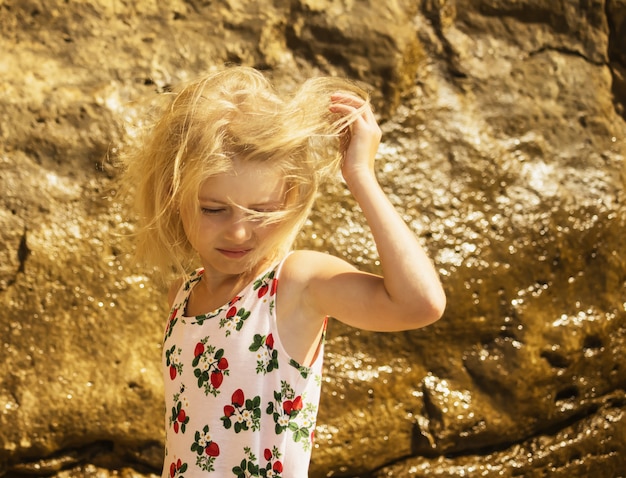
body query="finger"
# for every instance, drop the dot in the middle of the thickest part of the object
(343, 109)
(347, 99)
(368, 114)
(365, 112)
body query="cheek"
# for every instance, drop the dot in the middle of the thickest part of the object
(198, 229)
(268, 231)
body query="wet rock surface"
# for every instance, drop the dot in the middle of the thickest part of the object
(504, 143)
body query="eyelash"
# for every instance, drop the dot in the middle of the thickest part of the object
(212, 211)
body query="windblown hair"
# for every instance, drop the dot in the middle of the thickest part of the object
(233, 113)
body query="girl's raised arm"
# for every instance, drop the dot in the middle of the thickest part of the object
(409, 294)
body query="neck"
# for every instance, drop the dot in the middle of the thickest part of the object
(215, 284)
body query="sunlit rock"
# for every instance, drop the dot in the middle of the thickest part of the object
(503, 149)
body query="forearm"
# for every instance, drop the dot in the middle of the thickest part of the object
(409, 276)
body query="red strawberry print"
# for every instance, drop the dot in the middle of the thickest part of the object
(268, 454)
(172, 372)
(229, 410)
(199, 350)
(212, 449)
(231, 312)
(292, 406)
(181, 415)
(216, 379)
(274, 287)
(176, 427)
(174, 467)
(235, 299)
(278, 467)
(269, 341)
(222, 364)
(297, 403)
(263, 290)
(238, 398)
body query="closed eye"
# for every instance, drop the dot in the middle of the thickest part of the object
(267, 208)
(211, 211)
(263, 210)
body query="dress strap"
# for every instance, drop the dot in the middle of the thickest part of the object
(182, 296)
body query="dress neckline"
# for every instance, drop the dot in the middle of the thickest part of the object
(192, 282)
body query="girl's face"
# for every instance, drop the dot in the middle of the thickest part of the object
(224, 235)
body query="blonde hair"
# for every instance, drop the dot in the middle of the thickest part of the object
(233, 113)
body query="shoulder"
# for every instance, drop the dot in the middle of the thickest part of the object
(308, 277)
(303, 266)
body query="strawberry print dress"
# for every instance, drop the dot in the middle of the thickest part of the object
(236, 404)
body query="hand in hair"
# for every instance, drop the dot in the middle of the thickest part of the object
(362, 137)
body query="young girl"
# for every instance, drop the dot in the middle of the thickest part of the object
(224, 181)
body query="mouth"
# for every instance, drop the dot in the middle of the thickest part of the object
(234, 253)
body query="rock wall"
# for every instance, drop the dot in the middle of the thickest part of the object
(504, 143)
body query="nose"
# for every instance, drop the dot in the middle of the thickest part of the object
(239, 230)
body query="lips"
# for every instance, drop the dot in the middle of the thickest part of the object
(234, 253)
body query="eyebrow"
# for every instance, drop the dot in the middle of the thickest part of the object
(231, 203)
(210, 199)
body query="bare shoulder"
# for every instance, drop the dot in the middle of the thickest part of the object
(307, 278)
(173, 291)
(303, 266)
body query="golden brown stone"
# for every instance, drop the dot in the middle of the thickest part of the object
(504, 148)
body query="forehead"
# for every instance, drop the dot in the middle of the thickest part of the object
(247, 184)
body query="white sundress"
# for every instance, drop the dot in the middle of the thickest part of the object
(236, 403)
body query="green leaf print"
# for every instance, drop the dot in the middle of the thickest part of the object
(251, 456)
(243, 315)
(242, 414)
(304, 371)
(210, 367)
(206, 449)
(234, 320)
(240, 471)
(253, 469)
(301, 434)
(178, 418)
(262, 285)
(177, 469)
(266, 356)
(170, 324)
(292, 414)
(172, 360)
(248, 466)
(200, 319)
(257, 343)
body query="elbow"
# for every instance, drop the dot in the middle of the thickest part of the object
(416, 311)
(437, 307)
(431, 310)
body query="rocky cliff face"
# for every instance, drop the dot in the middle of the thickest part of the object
(504, 143)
